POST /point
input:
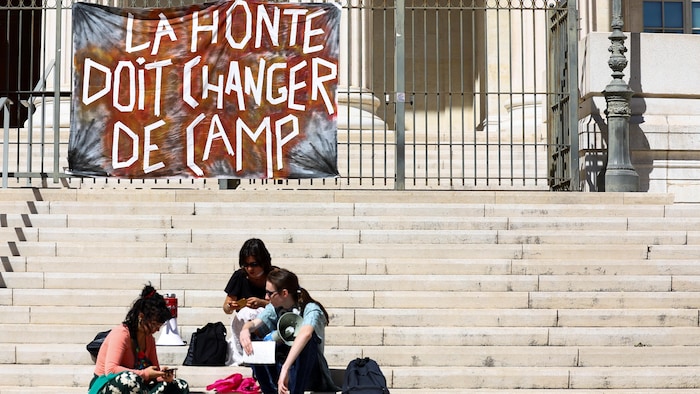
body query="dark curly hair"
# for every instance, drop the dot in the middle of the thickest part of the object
(153, 307)
(255, 247)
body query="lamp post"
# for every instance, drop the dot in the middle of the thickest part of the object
(620, 175)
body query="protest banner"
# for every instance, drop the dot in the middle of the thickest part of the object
(233, 89)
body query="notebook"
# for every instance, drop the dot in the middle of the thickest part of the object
(263, 353)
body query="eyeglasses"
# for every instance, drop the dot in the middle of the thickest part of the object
(251, 265)
(269, 293)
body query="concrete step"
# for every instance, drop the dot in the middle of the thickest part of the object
(481, 378)
(521, 293)
(350, 250)
(631, 226)
(548, 378)
(184, 235)
(611, 300)
(212, 194)
(621, 266)
(181, 265)
(407, 335)
(120, 250)
(690, 251)
(497, 251)
(322, 282)
(430, 356)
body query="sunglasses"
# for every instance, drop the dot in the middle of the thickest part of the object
(269, 293)
(250, 265)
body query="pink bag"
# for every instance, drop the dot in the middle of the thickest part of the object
(235, 383)
(249, 386)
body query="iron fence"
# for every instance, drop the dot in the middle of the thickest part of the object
(439, 94)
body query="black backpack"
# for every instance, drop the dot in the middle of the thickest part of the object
(208, 346)
(94, 346)
(363, 376)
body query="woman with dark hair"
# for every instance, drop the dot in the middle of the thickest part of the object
(301, 366)
(245, 292)
(127, 362)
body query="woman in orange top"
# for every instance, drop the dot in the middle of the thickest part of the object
(127, 361)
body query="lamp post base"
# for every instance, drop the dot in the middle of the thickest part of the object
(621, 180)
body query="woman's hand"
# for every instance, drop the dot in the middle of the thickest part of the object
(168, 374)
(283, 380)
(230, 305)
(153, 373)
(255, 302)
(246, 343)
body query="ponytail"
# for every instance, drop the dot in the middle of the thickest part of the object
(285, 279)
(303, 298)
(153, 307)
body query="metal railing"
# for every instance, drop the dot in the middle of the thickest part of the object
(5, 105)
(439, 94)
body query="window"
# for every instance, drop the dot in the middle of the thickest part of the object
(676, 16)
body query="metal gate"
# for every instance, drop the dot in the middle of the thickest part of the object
(438, 94)
(563, 104)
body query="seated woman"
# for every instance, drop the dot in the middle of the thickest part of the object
(245, 292)
(127, 361)
(301, 367)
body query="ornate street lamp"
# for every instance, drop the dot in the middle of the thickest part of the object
(620, 175)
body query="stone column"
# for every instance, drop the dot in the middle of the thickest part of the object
(57, 48)
(528, 46)
(356, 104)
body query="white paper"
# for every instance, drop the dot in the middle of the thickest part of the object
(263, 353)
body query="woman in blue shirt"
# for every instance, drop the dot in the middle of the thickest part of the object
(301, 366)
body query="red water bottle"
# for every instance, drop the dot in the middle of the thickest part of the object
(171, 303)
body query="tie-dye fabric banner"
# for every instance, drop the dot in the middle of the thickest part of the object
(234, 89)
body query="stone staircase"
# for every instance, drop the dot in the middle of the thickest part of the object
(451, 292)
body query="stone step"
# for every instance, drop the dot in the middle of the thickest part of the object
(186, 298)
(611, 300)
(425, 356)
(519, 292)
(380, 299)
(500, 251)
(351, 250)
(437, 378)
(212, 194)
(342, 282)
(606, 267)
(332, 234)
(410, 336)
(690, 251)
(194, 265)
(435, 222)
(395, 317)
(185, 235)
(547, 378)
(117, 221)
(368, 266)
(121, 250)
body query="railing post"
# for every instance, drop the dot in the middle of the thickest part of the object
(400, 98)
(57, 93)
(620, 175)
(5, 104)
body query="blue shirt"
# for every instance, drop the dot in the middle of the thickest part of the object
(313, 316)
